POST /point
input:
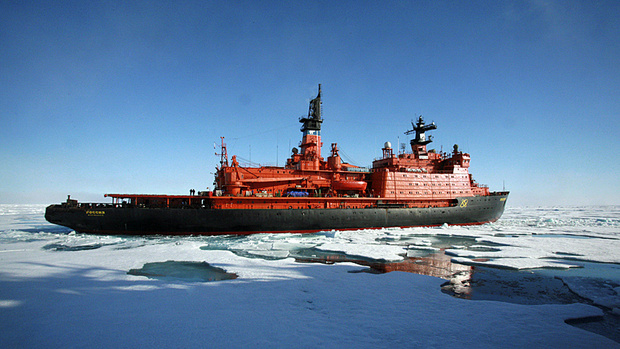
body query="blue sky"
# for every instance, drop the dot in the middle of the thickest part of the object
(111, 97)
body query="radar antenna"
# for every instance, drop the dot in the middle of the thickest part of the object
(420, 128)
(313, 121)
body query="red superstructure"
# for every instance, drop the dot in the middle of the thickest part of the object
(305, 177)
(421, 178)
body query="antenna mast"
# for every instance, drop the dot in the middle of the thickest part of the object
(223, 155)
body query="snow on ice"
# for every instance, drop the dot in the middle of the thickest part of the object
(62, 289)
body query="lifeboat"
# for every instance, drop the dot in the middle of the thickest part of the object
(349, 185)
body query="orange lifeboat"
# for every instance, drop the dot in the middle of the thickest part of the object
(349, 185)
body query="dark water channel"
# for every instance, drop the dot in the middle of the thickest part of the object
(529, 287)
(186, 271)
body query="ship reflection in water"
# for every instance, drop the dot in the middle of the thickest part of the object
(424, 262)
(425, 255)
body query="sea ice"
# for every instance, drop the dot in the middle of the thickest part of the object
(599, 291)
(373, 251)
(63, 297)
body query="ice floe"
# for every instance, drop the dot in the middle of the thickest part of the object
(76, 289)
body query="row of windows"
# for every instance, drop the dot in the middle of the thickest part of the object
(427, 192)
(440, 184)
(434, 176)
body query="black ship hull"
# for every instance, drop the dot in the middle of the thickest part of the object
(180, 221)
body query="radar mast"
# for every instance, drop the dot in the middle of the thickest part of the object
(418, 144)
